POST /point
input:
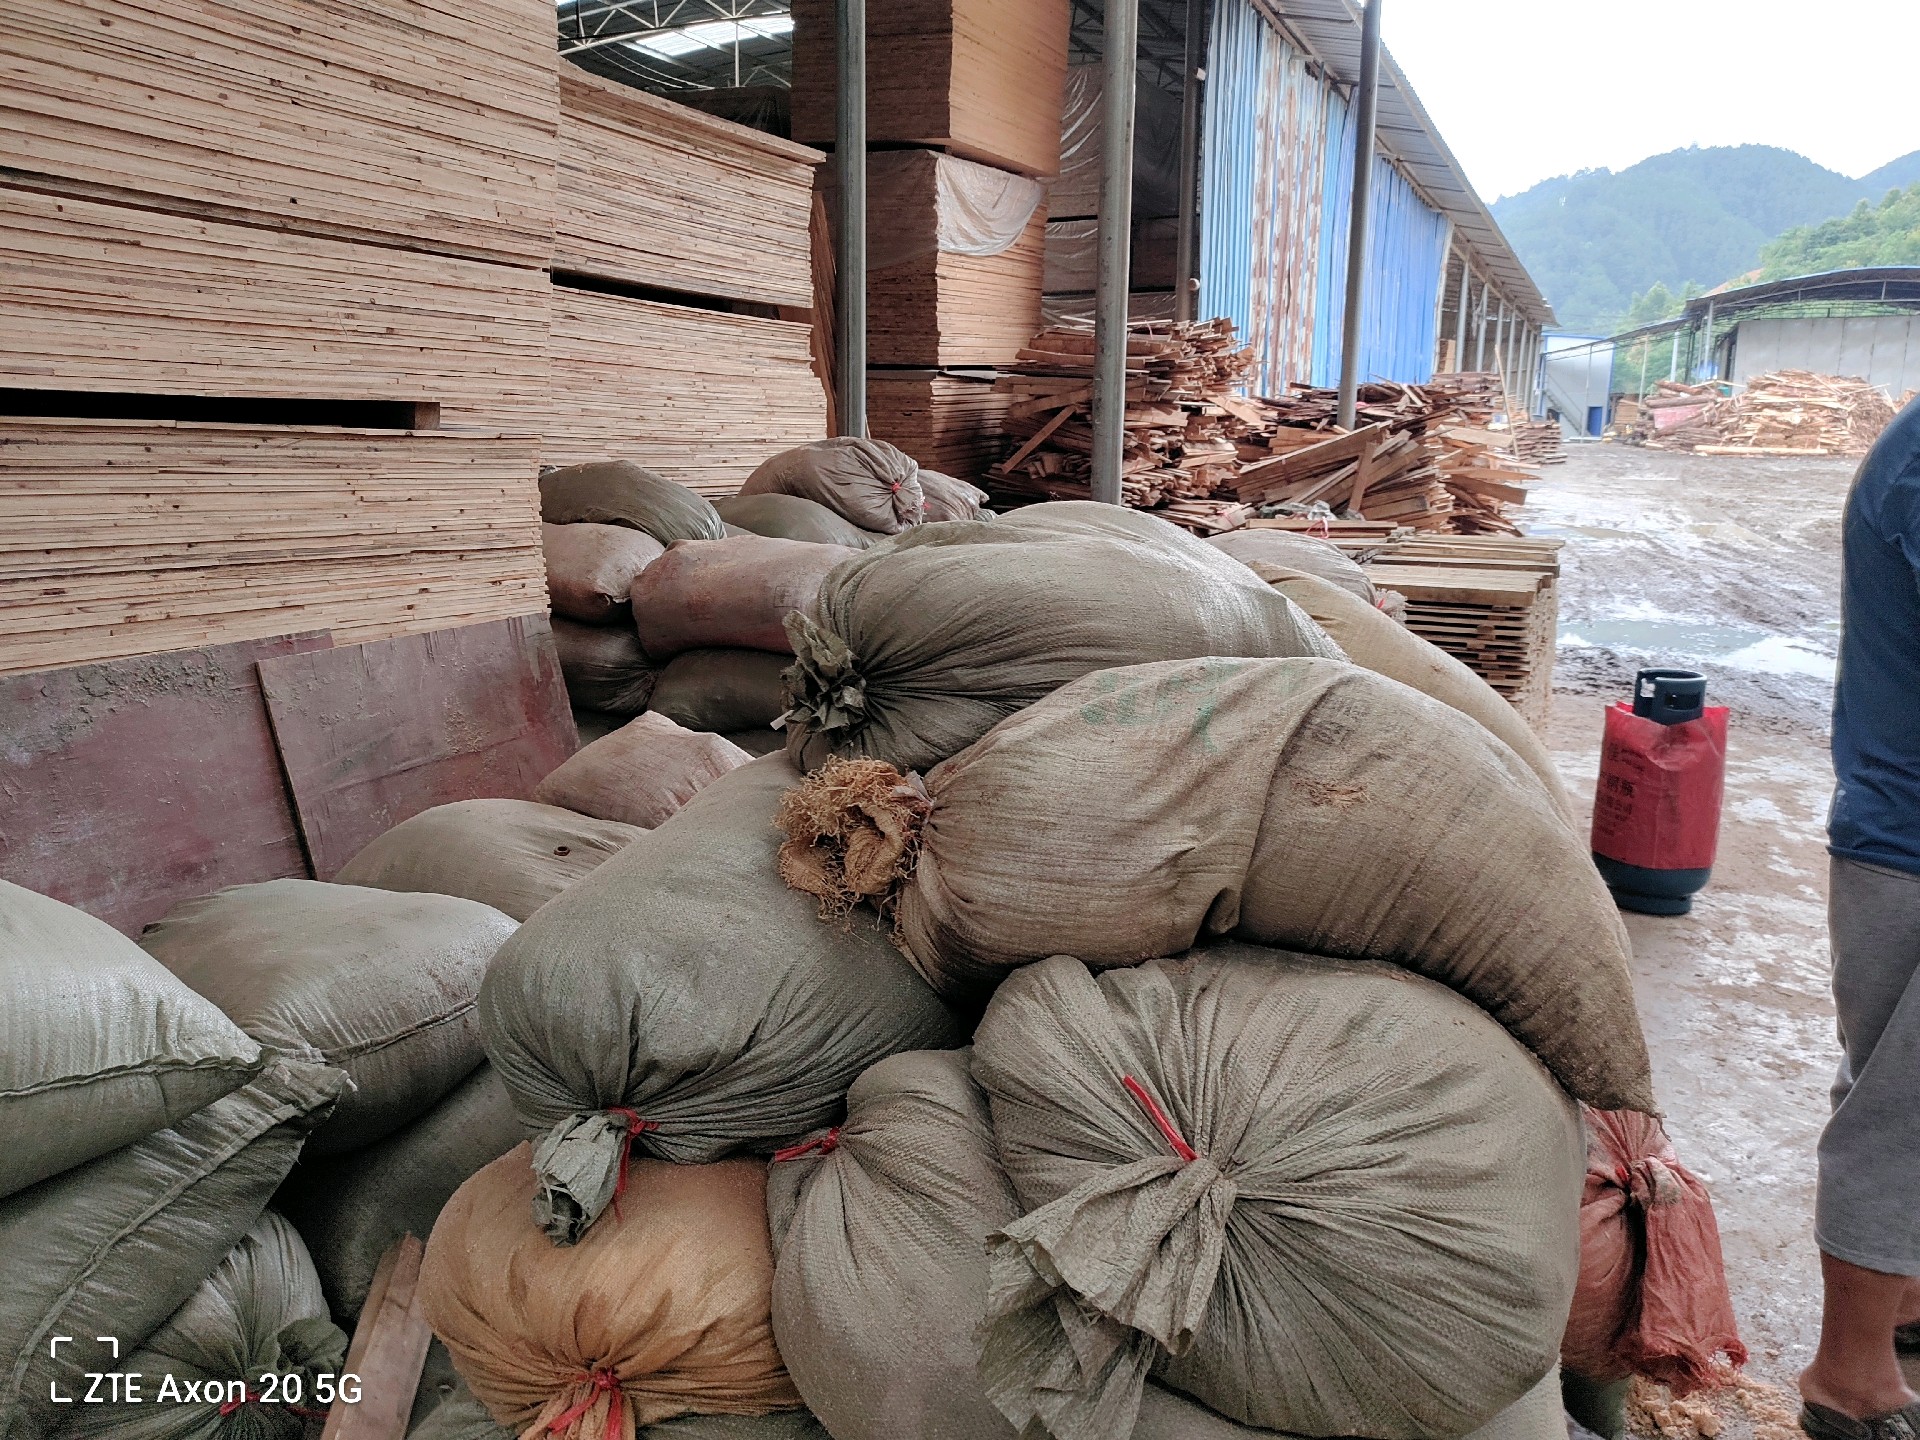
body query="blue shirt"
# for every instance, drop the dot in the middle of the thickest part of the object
(1876, 703)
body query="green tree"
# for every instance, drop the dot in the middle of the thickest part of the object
(1872, 235)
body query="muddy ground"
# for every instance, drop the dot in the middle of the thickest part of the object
(1730, 567)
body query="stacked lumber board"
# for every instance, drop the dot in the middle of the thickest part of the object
(123, 538)
(1181, 418)
(654, 193)
(109, 298)
(1378, 470)
(1491, 602)
(426, 124)
(982, 79)
(1787, 413)
(700, 396)
(951, 422)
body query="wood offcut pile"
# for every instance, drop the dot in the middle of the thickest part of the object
(1788, 413)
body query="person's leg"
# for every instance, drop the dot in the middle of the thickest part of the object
(1868, 1225)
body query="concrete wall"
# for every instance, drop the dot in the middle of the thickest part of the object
(1883, 349)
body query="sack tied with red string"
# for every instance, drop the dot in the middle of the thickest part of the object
(1652, 1298)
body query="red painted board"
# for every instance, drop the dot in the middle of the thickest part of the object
(132, 784)
(373, 734)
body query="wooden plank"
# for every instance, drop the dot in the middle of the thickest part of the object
(388, 1351)
(371, 735)
(128, 786)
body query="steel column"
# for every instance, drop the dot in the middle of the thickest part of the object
(1480, 331)
(850, 154)
(1121, 44)
(1460, 320)
(1185, 282)
(1366, 104)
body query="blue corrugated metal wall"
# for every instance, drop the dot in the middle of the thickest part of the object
(1276, 196)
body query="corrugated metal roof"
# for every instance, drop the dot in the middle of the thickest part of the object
(1329, 30)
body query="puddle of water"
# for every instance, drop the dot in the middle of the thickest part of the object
(1735, 646)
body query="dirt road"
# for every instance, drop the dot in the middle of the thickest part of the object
(1732, 568)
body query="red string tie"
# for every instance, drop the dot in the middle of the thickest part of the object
(604, 1382)
(635, 1127)
(820, 1145)
(1181, 1148)
(228, 1407)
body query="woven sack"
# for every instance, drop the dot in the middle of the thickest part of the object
(461, 1417)
(1308, 804)
(641, 773)
(867, 483)
(758, 742)
(618, 492)
(514, 855)
(115, 1246)
(951, 499)
(683, 1002)
(918, 647)
(591, 569)
(1653, 1295)
(723, 690)
(728, 594)
(255, 1334)
(1388, 648)
(1302, 553)
(381, 985)
(1321, 1197)
(604, 666)
(99, 1045)
(350, 1209)
(661, 1310)
(792, 517)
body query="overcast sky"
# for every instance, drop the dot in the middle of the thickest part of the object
(1527, 89)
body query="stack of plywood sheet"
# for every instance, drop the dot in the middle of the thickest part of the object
(979, 78)
(656, 194)
(948, 421)
(122, 538)
(701, 396)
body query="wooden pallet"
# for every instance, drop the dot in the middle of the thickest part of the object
(701, 396)
(657, 194)
(392, 120)
(953, 423)
(110, 298)
(980, 78)
(119, 538)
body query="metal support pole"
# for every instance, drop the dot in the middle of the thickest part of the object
(1185, 295)
(1706, 345)
(1460, 320)
(1480, 331)
(1366, 104)
(1122, 47)
(850, 153)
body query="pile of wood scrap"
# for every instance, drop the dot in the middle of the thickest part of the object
(1670, 412)
(1182, 419)
(1788, 413)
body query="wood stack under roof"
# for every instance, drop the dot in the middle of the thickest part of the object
(953, 422)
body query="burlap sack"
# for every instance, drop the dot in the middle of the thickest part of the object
(591, 569)
(1653, 1298)
(351, 1208)
(867, 483)
(618, 492)
(255, 1335)
(723, 690)
(514, 855)
(792, 517)
(921, 645)
(951, 499)
(758, 742)
(1388, 648)
(640, 774)
(99, 1045)
(381, 985)
(880, 1283)
(461, 1417)
(114, 1246)
(683, 1002)
(732, 594)
(661, 1310)
(1300, 553)
(1322, 1197)
(604, 666)
(1303, 803)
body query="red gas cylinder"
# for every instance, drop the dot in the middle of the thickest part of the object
(1663, 772)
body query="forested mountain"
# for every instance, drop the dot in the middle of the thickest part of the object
(1596, 240)
(1883, 234)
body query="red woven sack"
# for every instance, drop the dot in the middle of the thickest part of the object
(1652, 1298)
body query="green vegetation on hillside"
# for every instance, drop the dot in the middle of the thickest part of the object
(1883, 234)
